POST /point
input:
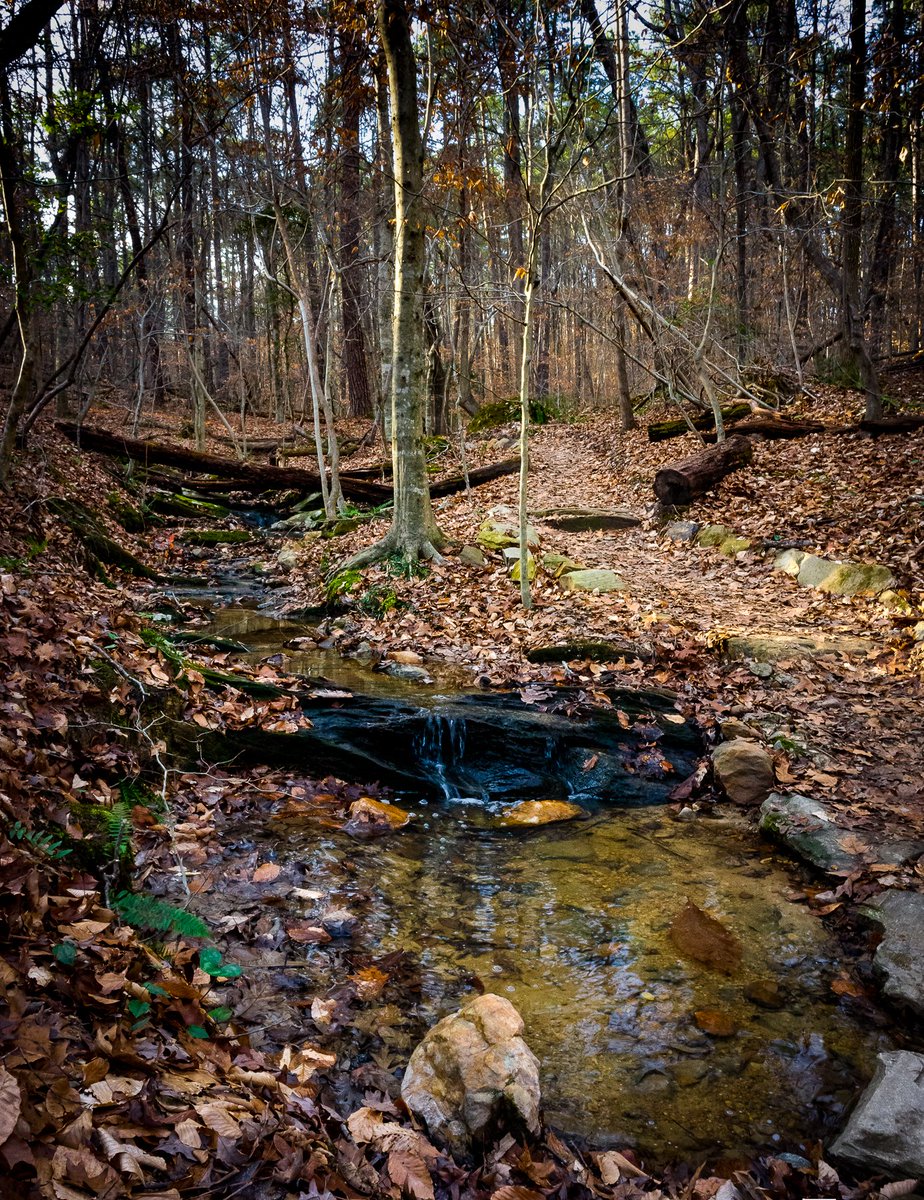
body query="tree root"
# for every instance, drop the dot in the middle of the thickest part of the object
(427, 546)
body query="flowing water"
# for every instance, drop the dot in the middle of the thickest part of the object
(571, 923)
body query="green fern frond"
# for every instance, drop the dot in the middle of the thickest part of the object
(144, 912)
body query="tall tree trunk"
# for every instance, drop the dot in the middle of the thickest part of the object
(414, 533)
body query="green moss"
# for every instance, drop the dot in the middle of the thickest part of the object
(712, 535)
(173, 505)
(132, 519)
(493, 413)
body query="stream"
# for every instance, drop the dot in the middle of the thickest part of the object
(571, 921)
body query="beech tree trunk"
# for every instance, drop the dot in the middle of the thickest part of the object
(682, 482)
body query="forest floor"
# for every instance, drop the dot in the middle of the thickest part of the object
(123, 1072)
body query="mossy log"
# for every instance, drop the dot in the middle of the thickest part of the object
(660, 431)
(99, 547)
(600, 651)
(171, 504)
(249, 477)
(216, 537)
(681, 482)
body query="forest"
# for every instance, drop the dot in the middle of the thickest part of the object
(462, 600)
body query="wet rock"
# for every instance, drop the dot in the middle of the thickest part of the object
(886, 1131)
(608, 651)
(808, 829)
(409, 671)
(744, 771)
(540, 812)
(473, 556)
(593, 581)
(765, 993)
(298, 521)
(900, 954)
(689, 1072)
(375, 816)
(681, 531)
(712, 535)
(473, 1076)
(582, 520)
(715, 1022)
(339, 922)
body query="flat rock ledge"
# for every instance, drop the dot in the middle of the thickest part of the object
(473, 1077)
(886, 1131)
(900, 955)
(810, 831)
(583, 520)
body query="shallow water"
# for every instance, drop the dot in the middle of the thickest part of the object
(570, 922)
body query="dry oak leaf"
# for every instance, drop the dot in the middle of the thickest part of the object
(217, 1117)
(127, 1157)
(266, 872)
(10, 1104)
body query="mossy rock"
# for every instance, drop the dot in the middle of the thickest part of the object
(496, 535)
(607, 652)
(560, 564)
(734, 545)
(712, 535)
(216, 537)
(593, 581)
(512, 562)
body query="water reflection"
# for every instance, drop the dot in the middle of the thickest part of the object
(572, 922)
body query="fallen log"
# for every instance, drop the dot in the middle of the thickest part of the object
(456, 483)
(660, 431)
(247, 476)
(772, 428)
(253, 477)
(885, 425)
(679, 483)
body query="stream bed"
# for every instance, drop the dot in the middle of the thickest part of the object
(571, 922)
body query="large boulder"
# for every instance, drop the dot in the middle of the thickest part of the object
(744, 771)
(497, 535)
(834, 577)
(900, 954)
(593, 581)
(886, 1131)
(473, 1077)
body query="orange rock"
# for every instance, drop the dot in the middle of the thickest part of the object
(540, 812)
(371, 816)
(715, 1023)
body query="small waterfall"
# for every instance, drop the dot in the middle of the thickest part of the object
(440, 746)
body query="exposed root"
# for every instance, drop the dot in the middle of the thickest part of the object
(426, 546)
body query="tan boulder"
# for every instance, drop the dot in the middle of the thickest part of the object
(473, 1077)
(744, 771)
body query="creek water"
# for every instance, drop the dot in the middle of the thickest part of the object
(571, 922)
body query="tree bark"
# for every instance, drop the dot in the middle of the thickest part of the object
(414, 533)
